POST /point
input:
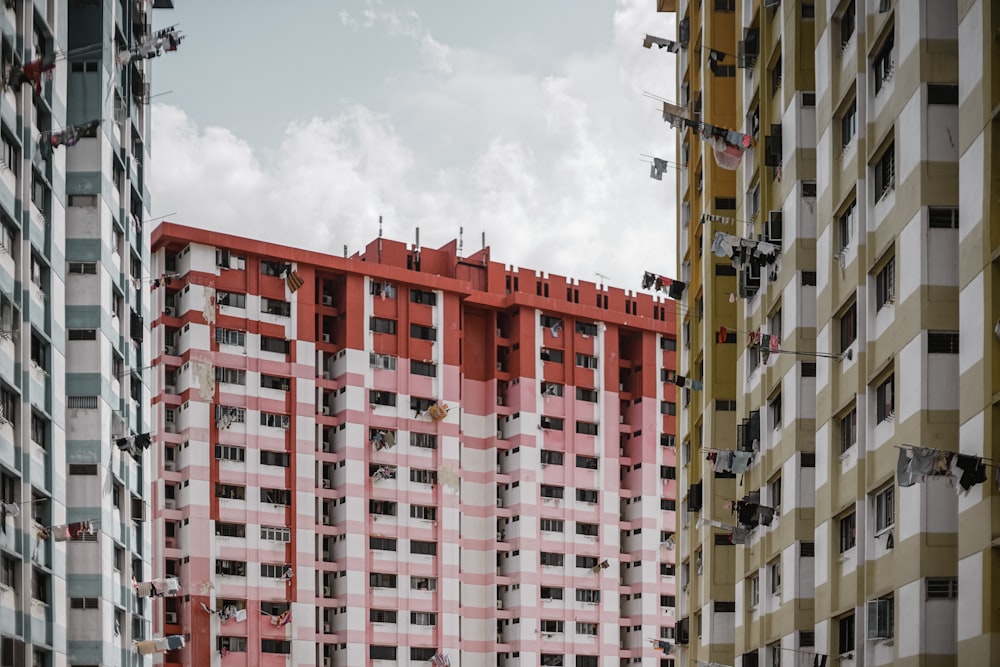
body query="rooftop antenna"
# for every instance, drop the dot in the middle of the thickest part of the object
(380, 226)
(484, 240)
(603, 278)
(380, 239)
(461, 230)
(416, 246)
(345, 251)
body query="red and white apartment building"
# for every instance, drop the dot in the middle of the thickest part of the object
(408, 456)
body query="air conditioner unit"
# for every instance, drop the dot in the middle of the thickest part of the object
(170, 389)
(169, 311)
(328, 629)
(170, 503)
(326, 410)
(168, 349)
(326, 338)
(327, 299)
(327, 520)
(171, 617)
(499, 604)
(170, 542)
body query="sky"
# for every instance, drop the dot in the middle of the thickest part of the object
(302, 122)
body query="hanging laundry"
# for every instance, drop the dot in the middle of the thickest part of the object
(7, 510)
(973, 471)
(903, 475)
(240, 615)
(714, 58)
(773, 344)
(32, 72)
(722, 336)
(145, 647)
(740, 535)
(657, 168)
(440, 658)
(741, 461)
(438, 411)
(556, 328)
(765, 515)
(294, 281)
(152, 46)
(922, 462)
(661, 645)
(668, 44)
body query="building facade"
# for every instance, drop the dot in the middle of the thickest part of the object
(409, 453)
(851, 279)
(73, 395)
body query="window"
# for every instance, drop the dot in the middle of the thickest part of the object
(382, 398)
(230, 375)
(553, 423)
(754, 585)
(551, 389)
(230, 337)
(422, 332)
(382, 652)
(881, 617)
(423, 440)
(230, 529)
(587, 562)
(421, 476)
(276, 496)
(554, 659)
(586, 328)
(421, 296)
(423, 618)
(382, 325)
(848, 124)
(774, 492)
(885, 173)
(555, 356)
(382, 615)
(550, 559)
(668, 472)
(423, 368)
(39, 430)
(668, 408)
(586, 495)
(883, 64)
(848, 430)
(885, 509)
(589, 462)
(278, 345)
(383, 507)
(774, 572)
(588, 529)
(276, 533)
(549, 626)
(11, 154)
(230, 491)
(83, 468)
(275, 382)
(589, 395)
(273, 570)
(382, 361)
(269, 458)
(941, 217)
(774, 408)
(845, 224)
(382, 543)
(274, 420)
(423, 583)
(885, 400)
(848, 536)
(942, 588)
(586, 360)
(552, 491)
(421, 654)
(233, 568)
(845, 634)
(230, 453)
(586, 628)
(39, 191)
(668, 504)
(83, 268)
(380, 580)
(9, 572)
(586, 661)
(586, 428)
(551, 525)
(847, 21)
(668, 343)
(942, 342)
(549, 457)
(848, 326)
(232, 299)
(885, 284)
(275, 307)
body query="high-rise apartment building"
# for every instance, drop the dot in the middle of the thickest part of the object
(409, 455)
(74, 126)
(849, 262)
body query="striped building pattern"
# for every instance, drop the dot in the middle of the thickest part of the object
(872, 125)
(407, 455)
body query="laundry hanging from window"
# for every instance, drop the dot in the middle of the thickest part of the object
(294, 281)
(69, 531)
(157, 587)
(670, 45)
(728, 145)
(674, 288)
(152, 46)
(657, 169)
(917, 464)
(661, 645)
(7, 510)
(68, 136)
(32, 72)
(159, 645)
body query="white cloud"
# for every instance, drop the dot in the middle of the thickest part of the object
(547, 166)
(401, 23)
